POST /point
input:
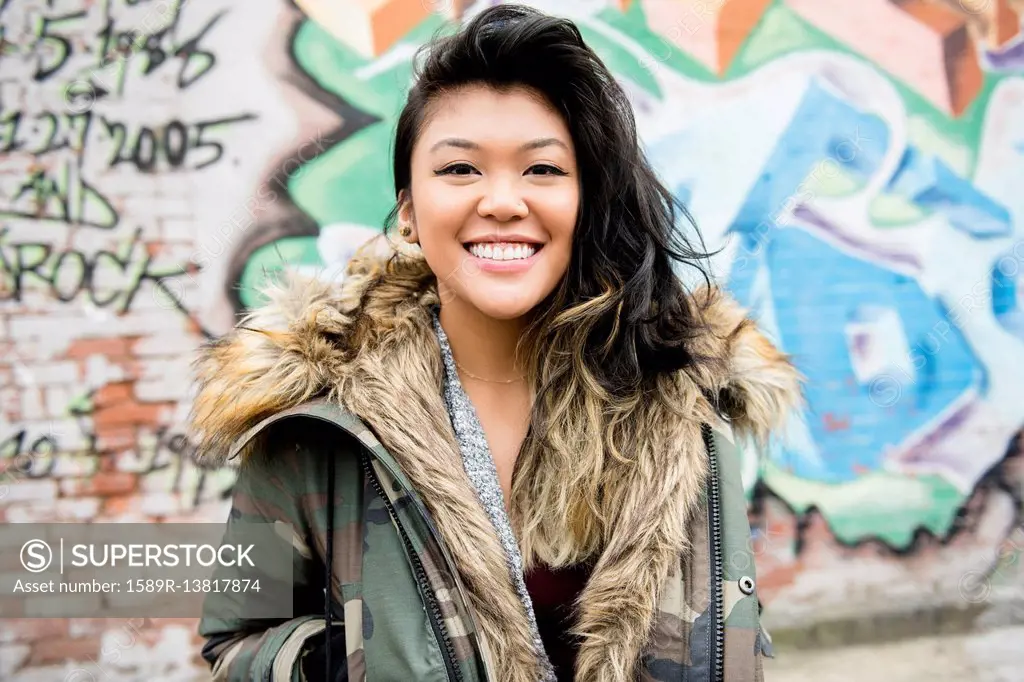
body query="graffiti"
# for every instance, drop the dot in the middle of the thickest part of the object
(119, 36)
(30, 460)
(886, 169)
(88, 54)
(173, 144)
(96, 177)
(106, 278)
(160, 47)
(165, 454)
(129, 131)
(58, 193)
(855, 163)
(43, 132)
(859, 157)
(61, 193)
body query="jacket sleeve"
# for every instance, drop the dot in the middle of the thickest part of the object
(277, 482)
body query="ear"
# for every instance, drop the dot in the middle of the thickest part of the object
(406, 215)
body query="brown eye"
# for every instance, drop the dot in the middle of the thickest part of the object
(456, 169)
(545, 169)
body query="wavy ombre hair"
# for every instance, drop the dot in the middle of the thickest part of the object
(615, 332)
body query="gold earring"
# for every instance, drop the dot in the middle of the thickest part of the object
(405, 230)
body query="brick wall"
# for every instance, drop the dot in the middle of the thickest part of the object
(158, 158)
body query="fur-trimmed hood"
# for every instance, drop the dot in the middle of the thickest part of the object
(368, 343)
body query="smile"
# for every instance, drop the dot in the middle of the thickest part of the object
(503, 251)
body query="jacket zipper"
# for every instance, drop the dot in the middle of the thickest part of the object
(433, 610)
(717, 629)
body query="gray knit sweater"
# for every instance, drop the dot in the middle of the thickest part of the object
(479, 465)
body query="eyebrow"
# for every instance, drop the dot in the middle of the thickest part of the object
(463, 143)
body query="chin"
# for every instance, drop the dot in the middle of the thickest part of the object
(497, 308)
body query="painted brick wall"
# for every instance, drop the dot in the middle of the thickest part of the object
(860, 162)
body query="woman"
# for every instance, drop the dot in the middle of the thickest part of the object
(503, 441)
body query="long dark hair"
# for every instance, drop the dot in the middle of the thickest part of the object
(621, 308)
(604, 351)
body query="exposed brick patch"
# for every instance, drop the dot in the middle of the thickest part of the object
(61, 649)
(113, 347)
(32, 629)
(122, 505)
(112, 394)
(116, 439)
(115, 406)
(103, 484)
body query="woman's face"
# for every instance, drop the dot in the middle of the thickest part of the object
(495, 194)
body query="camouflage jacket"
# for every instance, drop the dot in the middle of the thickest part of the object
(349, 448)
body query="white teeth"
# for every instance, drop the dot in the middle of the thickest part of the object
(503, 252)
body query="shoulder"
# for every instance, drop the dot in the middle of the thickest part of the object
(287, 462)
(313, 423)
(297, 442)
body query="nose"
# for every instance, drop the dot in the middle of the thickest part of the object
(502, 201)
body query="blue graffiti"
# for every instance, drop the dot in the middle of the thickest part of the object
(932, 364)
(1007, 303)
(825, 129)
(932, 185)
(810, 294)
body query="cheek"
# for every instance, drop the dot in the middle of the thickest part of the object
(559, 211)
(440, 208)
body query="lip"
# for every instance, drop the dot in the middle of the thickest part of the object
(502, 237)
(520, 265)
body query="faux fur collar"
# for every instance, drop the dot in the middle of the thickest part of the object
(368, 343)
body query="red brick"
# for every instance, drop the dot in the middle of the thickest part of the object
(60, 649)
(122, 505)
(113, 394)
(771, 580)
(127, 414)
(113, 347)
(32, 629)
(115, 439)
(102, 484)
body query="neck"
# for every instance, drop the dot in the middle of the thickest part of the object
(482, 345)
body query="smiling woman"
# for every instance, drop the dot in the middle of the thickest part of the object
(493, 181)
(507, 454)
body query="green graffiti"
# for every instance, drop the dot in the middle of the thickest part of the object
(351, 184)
(887, 506)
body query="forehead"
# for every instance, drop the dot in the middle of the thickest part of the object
(488, 116)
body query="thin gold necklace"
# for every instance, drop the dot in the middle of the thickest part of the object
(491, 381)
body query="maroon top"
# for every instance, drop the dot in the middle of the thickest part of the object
(554, 594)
